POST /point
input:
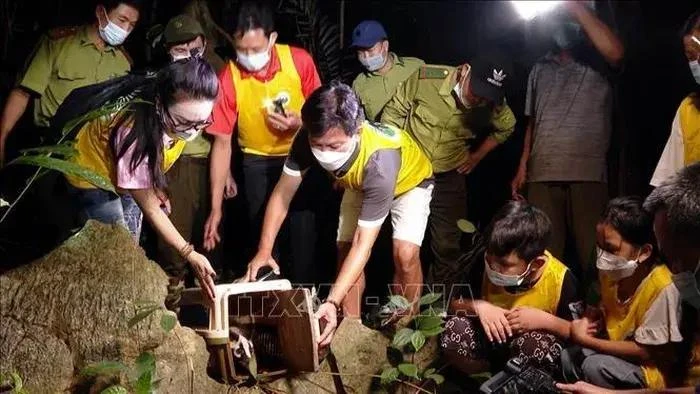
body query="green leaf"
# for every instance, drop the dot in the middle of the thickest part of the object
(439, 379)
(409, 370)
(427, 322)
(168, 320)
(143, 385)
(436, 311)
(466, 226)
(389, 375)
(142, 314)
(417, 340)
(432, 332)
(104, 368)
(430, 298)
(428, 372)
(67, 168)
(146, 362)
(399, 301)
(253, 365)
(402, 338)
(116, 389)
(65, 149)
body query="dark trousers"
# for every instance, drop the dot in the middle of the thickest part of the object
(298, 246)
(448, 205)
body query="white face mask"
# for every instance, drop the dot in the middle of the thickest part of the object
(112, 34)
(256, 61)
(458, 91)
(695, 70)
(499, 279)
(333, 160)
(687, 285)
(615, 267)
(373, 63)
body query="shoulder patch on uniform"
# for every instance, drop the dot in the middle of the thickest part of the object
(62, 32)
(432, 72)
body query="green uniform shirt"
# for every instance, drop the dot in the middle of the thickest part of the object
(427, 108)
(376, 90)
(66, 59)
(199, 147)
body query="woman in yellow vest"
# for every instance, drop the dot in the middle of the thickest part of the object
(639, 305)
(382, 170)
(522, 296)
(683, 145)
(136, 145)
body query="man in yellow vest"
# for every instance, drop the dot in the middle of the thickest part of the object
(683, 145)
(382, 169)
(262, 93)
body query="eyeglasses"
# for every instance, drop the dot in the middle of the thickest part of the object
(181, 127)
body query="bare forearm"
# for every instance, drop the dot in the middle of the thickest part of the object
(219, 167)
(527, 143)
(628, 350)
(150, 206)
(486, 147)
(603, 38)
(559, 327)
(354, 263)
(15, 106)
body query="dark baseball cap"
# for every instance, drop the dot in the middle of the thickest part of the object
(182, 28)
(368, 33)
(490, 74)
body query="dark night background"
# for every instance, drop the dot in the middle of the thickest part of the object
(655, 78)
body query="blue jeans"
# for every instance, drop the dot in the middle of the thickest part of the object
(106, 207)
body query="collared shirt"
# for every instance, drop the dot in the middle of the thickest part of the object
(225, 112)
(375, 90)
(571, 104)
(426, 107)
(66, 59)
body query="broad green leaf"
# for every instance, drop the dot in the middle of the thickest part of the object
(142, 314)
(409, 370)
(430, 298)
(428, 372)
(433, 331)
(143, 385)
(417, 340)
(65, 149)
(399, 301)
(146, 362)
(436, 311)
(402, 338)
(168, 320)
(439, 379)
(427, 322)
(466, 226)
(67, 168)
(116, 389)
(389, 375)
(104, 368)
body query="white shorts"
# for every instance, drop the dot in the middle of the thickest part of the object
(409, 214)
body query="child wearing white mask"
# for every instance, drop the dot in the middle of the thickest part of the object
(522, 296)
(639, 306)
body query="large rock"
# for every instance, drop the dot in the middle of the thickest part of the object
(71, 308)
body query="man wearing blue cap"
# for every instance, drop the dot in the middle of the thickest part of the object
(385, 72)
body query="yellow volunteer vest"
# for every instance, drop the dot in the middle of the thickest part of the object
(254, 99)
(415, 165)
(544, 295)
(622, 319)
(94, 152)
(690, 128)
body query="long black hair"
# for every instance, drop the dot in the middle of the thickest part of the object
(692, 23)
(192, 78)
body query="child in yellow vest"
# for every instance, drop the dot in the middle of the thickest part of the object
(639, 305)
(518, 303)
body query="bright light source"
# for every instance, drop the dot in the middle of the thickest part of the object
(530, 9)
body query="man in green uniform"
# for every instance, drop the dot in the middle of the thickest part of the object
(69, 58)
(444, 108)
(385, 71)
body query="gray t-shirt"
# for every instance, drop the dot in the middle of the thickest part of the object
(379, 180)
(571, 104)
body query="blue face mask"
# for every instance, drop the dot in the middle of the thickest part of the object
(112, 34)
(373, 63)
(695, 70)
(567, 35)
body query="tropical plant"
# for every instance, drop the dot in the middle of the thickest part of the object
(12, 383)
(411, 339)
